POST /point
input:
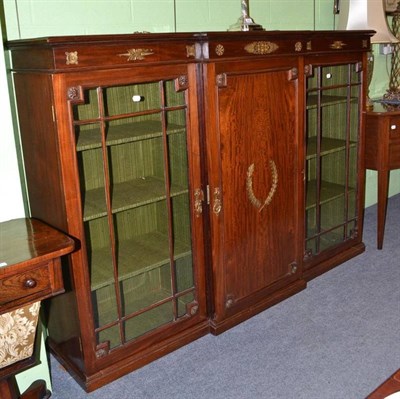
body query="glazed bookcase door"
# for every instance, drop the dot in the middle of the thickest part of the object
(132, 158)
(333, 105)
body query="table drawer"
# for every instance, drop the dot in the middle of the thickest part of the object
(394, 127)
(20, 285)
(394, 142)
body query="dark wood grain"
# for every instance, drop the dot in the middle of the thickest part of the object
(30, 241)
(254, 248)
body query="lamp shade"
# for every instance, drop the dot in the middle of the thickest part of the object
(366, 15)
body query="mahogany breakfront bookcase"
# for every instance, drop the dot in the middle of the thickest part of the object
(207, 176)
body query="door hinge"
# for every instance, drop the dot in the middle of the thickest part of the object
(293, 268)
(53, 112)
(208, 194)
(216, 199)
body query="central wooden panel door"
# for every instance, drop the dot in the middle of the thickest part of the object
(254, 185)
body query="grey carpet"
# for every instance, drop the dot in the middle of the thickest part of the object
(338, 339)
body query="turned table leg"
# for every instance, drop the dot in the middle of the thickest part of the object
(383, 184)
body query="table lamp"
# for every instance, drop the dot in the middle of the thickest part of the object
(366, 15)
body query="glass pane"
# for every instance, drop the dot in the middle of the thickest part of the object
(178, 161)
(313, 80)
(331, 238)
(311, 183)
(311, 246)
(89, 109)
(101, 271)
(182, 242)
(143, 255)
(148, 321)
(351, 228)
(355, 77)
(132, 98)
(184, 273)
(173, 98)
(137, 160)
(142, 238)
(354, 114)
(112, 335)
(104, 304)
(334, 118)
(133, 165)
(135, 128)
(335, 75)
(332, 161)
(183, 301)
(91, 174)
(312, 131)
(88, 137)
(137, 174)
(145, 289)
(333, 213)
(352, 204)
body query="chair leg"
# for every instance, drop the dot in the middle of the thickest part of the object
(37, 390)
(8, 388)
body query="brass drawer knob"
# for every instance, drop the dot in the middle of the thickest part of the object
(30, 283)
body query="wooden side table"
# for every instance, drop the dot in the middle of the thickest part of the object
(30, 271)
(382, 153)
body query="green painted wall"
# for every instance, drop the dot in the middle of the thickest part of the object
(34, 18)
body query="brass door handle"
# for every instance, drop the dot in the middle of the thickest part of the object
(217, 202)
(198, 201)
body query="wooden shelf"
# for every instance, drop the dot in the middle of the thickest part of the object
(328, 146)
(329, 192)
(125, 133)
(135, 257)
(126, 196)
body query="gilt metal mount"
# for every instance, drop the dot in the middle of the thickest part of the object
(135, 54)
